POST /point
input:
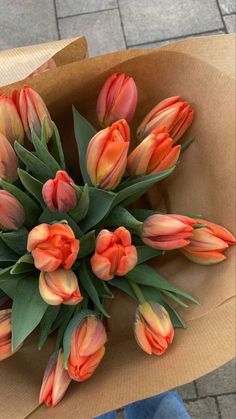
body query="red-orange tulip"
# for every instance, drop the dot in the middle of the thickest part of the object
(53, 246)
(207, 244)
(87, 348)
(33, 112)
(59, 287)
(59, 194)
(8, 161)
(12, 214)
(5, 334)
(117, 99)
(114, 254)
(168, 231)
(172, 114)
(55, 381)
(107, 155)
(153, 329)
(10, 123)
(153, 155)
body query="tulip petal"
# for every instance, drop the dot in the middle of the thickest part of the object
(101, 267)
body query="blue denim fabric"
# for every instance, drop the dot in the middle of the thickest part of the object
(164, 406)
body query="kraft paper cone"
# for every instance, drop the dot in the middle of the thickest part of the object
(203, 182)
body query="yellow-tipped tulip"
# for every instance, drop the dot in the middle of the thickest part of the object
(10, 123)
(8, 161)
(5, 334)
(12, 214)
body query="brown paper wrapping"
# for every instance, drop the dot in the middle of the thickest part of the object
(201, 71)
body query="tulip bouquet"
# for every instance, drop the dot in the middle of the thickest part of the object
(67, 240)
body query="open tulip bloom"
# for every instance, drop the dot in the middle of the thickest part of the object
(70, 239)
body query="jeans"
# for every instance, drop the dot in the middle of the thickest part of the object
(167, 405)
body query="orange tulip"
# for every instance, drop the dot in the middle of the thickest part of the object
(59, 194)
(117, 99)
(5, 334)
(114, 254)
(167, 231)
(153, 155)
(53, 246)
(107, 155)
(153, 329)
(8, 161)
(10, 123)
(33, 112)
(172, 114)
(207, 244)
(59, 287)
(12, 215)
(87, 348)
(55, 381)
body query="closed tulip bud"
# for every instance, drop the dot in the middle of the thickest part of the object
(33, 112)
(167, 232)
(8, 161)
(207, 244)
(107, 155)
(12, 214)
(53, 246)
(55, 381)
(153, 329)
(59, 194)
(114, 254)
(10, 123)
(117, 99)
(173, 114)
(5, 334)
(59, 287)
(153, 155)
(87, 348)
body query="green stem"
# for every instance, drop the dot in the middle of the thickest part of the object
(137, 291)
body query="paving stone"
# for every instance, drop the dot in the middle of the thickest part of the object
(154, 20)
(222, 380)
(26, 22)
(202, 409)
(102, 30)
(187, 391)
(227, 6)
(72, 7)
(227, 406)
(230, 22)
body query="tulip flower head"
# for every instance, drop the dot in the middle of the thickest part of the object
(114, 254)
(153, 155)
(59, 194)
(117, 99)
(153, 329)
(55, 381)
(167, 232)
(207, 244)
(59, 287)
(5, 334)
(33, 112)
(53, 246)
(173, 114)
(8, 161)
(107, 155)
(12, 214)
(87, 348)
(10, 123)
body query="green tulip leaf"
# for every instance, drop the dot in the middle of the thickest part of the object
(45, 156)
(100, 203)
(123, 285)
(32, 185)
(39, 169)
(87, 244)
(16, 240)
(57, 150)
(46, 324)
(50, 217)
(80, 211)
(6, 254)
(146, 253)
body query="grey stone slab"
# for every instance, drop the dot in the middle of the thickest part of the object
(220, 381)
(26, 22)
(230, 23)
(75, 7)
(227, 6)
(202, 409)
(170, 41)
(102, 30)
(154, 20)
(227, 406)
(187, 391)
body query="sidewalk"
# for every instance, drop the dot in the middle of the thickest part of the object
(111, 25)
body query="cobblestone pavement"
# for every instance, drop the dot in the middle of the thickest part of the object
(110, 25)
